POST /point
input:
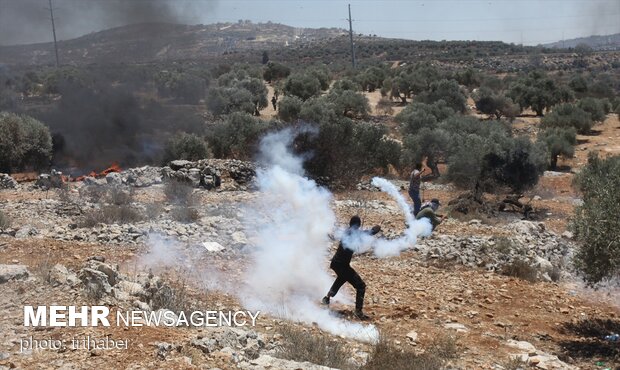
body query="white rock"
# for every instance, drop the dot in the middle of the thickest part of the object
(239, 237)
(413, 335)
(213, 246)
(460, 328)
(521, 345)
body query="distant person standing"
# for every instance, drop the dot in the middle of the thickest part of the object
(414, 187)
(274, 100)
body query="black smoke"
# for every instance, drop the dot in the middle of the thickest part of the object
(94, 127)
(28, 21)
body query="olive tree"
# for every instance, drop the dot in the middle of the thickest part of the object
(596, 223)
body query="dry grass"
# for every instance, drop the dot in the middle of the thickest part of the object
(515, 363)
(520, 268)
(182, 196)
(386, 355)
(111, 214)
(300, 345)
(116, 206)
(178, 192)
(185, 214)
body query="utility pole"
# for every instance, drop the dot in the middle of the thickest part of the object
(54, 32)
(350, 37)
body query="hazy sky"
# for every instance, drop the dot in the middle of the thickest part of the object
(528, 21)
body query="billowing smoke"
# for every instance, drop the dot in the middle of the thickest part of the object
(27, 21)
(95, 127)
(289, 275)
(289, 225)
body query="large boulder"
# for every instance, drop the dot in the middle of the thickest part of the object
(13, 272)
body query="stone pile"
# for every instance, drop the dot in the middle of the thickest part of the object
(7, 182)
(546, 251)
(212, 173)
(53, 180)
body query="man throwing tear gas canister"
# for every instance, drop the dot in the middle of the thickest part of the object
(341, 264)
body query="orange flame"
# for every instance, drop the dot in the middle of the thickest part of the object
(113, 168)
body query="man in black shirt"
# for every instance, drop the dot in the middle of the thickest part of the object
(345, 273)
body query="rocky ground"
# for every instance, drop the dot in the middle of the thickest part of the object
(502, 286)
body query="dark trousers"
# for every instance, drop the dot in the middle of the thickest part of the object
(346, 274)
(417, 202)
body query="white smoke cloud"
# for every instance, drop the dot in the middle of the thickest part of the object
(288, 275)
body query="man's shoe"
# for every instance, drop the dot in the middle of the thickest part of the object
(360, 315)
(325, 300)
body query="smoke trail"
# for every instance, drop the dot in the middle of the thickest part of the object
(292, 221)
(361, 242)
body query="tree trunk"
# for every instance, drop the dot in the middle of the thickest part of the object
(554, 162)
(430, 162)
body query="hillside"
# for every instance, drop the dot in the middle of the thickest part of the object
(163, 41)
(245, 41)
(606, 42)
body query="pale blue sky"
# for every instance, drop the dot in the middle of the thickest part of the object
(528, 21)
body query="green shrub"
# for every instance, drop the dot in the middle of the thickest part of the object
(483, 155)
(537, 91)
(182, 85)
(275, 71)
(372, 78)
(495, 104)
(448, 91)
(596, 108)
(343, 150)
(346, 84)
(596, 223)
(236, 136)
(559, 142)
(302, 85)
(289, 108)
(185, 146)
(349, 103)
(24, 143)
(568, 115)
(237, 91)
(416, 116)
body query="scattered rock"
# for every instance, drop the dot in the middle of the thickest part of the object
(460, 328)
(265, 362)
(60, 275)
